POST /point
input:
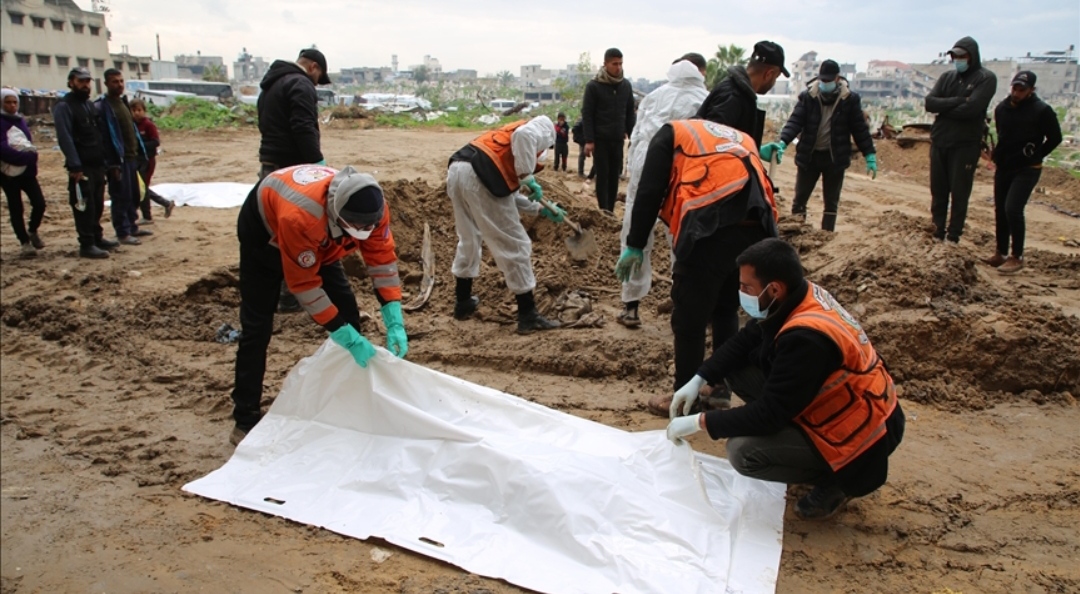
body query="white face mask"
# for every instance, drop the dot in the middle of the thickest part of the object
(360, 234)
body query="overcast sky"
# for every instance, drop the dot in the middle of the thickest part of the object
(493, 35)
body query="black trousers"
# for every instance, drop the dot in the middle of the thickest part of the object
(561, 153)
(150, 195)
(14, 188)
(1011, 193)
(608, 160)
(952, 171)
(832, 181)
(125, 196)
(88, 221)
(704, 291)
(261, 276)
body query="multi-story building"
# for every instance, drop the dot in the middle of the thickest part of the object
(806, 69)
(1057, 75)
(248, 68)
(41, 40)
(133, 67)
(194, 67)
(364, 75)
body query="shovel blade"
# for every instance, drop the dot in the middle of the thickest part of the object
(582, 246)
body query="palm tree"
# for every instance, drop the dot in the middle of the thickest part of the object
(717, 68)
(506, 78)
(214, 73)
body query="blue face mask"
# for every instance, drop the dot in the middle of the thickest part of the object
(827, 87)
(961, 65)
(752, 305)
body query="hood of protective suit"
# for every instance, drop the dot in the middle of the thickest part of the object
(684, 73)
(528, 141)
(347, 182)
(972, 47)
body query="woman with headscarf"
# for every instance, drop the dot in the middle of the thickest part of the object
(18, 173)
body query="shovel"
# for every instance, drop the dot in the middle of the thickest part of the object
(581, 245)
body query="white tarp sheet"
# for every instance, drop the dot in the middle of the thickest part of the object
(211, 194)
(500, 486)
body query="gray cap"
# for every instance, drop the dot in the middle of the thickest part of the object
(80, 73)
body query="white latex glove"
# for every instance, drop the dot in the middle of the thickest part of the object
(685, 397)
(681, 427)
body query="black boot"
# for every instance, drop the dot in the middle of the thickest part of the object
(529, 319)
(465, 305)
(828, 221)
(821, 503)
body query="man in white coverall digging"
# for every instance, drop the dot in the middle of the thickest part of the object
(678, 99)
(482, 181)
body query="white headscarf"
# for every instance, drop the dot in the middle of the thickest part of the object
(5, 92)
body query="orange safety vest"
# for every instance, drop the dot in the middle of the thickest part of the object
(849, 412)
(712, 162)
(292, 205)
(496, 145)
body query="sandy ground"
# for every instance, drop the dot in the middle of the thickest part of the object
(114, 393)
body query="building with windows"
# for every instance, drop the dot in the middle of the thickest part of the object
(133, 67)
(41, 40)
(197, 66)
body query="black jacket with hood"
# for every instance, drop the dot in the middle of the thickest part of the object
(288, 117)
(847, 122)
(607, 111)
(960, 101)
(1027, 133)
(733, 102)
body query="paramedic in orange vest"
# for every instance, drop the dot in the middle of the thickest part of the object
(821, 408)
(296, 225)
(483, 181)
(706, 183)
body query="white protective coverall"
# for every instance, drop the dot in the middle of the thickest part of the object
(678, 99)
(478, 214)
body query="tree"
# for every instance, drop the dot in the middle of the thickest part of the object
(214, 73)
(506, 78)
(572, 86)
(717, 68)
(421, 75)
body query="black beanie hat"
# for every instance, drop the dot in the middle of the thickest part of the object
(365, 207)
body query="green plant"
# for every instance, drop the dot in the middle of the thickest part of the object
(716, 69)
(190, 113)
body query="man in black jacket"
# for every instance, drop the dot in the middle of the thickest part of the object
(289, 123)
(733, 101)
(289, 112)
(959, 99)
(79, 137)
(608, 117)
(797, 364)
(1028, 131)
(828, 115)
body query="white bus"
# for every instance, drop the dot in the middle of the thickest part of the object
(215, 91)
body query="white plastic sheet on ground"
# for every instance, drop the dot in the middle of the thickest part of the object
(500, 486)
(211, 194)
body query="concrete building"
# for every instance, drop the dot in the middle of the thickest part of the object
(248, 68)
(41, 40)
(806, 68)
(162, 70)
(364, 75)
(133, 67)
(193, 67)
(1056, 71)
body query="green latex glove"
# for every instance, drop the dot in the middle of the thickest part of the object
(768, 150)
(629, 263)
(555, 216)
(349, 339)
(321, 162)
(871, 165)
(537, 192)
(397, 341)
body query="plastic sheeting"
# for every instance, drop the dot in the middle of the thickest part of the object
(500, 486)
(212, 194)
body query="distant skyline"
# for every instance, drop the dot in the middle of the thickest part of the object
(492, 35)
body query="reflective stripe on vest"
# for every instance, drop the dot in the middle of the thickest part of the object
(711, 162)
(849, 412)
(384, 276)
(496, 145)
(284, 190)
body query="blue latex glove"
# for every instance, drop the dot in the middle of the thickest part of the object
(397, 341)
(555, 216)
(629, 263)
(871, 165)
(537, 192)
(349, 339)
(321, 162)
(768, 150)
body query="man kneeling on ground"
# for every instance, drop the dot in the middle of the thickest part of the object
(821, 407)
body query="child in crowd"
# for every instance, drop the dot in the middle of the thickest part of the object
(562, 141)
(18, 173)
(151, 140)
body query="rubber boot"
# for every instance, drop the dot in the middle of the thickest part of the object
(466, 302)
(529, 319)
(828, 221)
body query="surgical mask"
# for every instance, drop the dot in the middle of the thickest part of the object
(752, 305)
(359, 234)
(960, 65)
(827, 87)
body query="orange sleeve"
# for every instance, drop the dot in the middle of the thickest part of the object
(380, 257)
(301, 259)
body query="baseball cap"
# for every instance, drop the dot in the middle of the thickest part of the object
(316, 56)
(770, 53)
(1024, 78)
(80, 73)
(958, 51)
(829, 71)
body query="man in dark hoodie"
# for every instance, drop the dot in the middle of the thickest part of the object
(608, 118)
(1028, 130)
(828, 115)
(959, 99)
(733, 101)
(289, 123)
